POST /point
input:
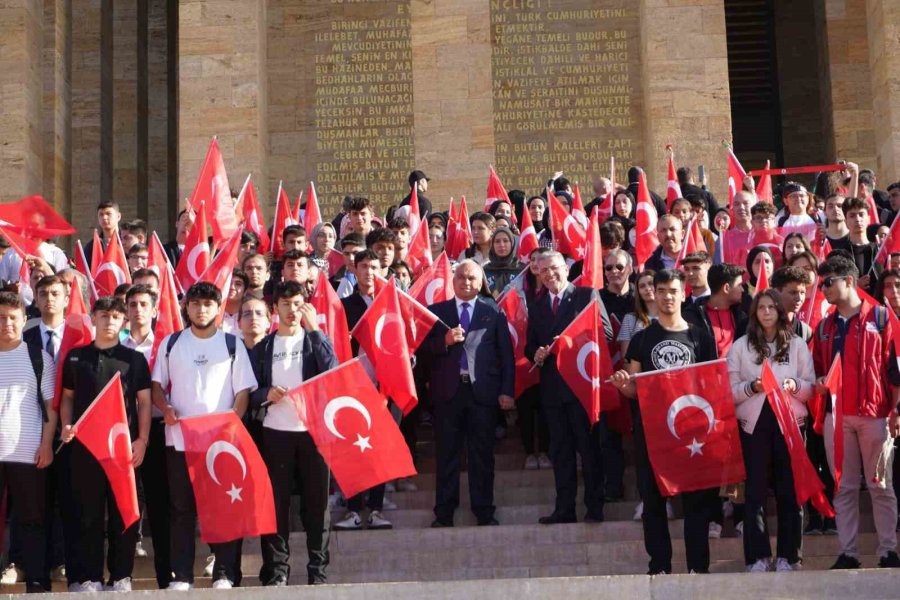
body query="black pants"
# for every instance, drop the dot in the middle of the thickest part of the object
(373, 498)
(765, 451)
(97, 517)
(612, 458)
(27, 488)
(292, 457)
(457, 422)
(53, 524)
(531, 421)
(156, 500)
(699, 508)
(815, 449)
(183, 520)
(570, 432)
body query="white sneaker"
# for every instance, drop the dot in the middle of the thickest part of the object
(222, 584)
(531, 462)
(122, 585)
(350, 522)
(783, 566)
(377, 521)
(715, 531)
(335, 500)
(760, 566)
(390, 487)
(12, 574)
(407, 485)
(544, 461)
(638, 512)
(670, 512)
(139, 551)
(180, 586)
(739, 529)
(388, 504)
(92, 586)
(210, 565)
(75, 587)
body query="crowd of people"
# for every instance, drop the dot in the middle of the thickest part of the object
(810, 288)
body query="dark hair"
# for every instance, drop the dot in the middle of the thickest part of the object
(756, 337)
(751, 258)
(684, 175)
(262, 257)
(788, 274)
(721, 274)
(668, 276)
(141, 273)
(854, 204)
(541, 198)
(838, 265)
(641, 312)
(294, 255)
(792, 235)
(879, 287)
(695, 201)
(630, 197)
(353, 239)
(248, 236)
(238, 274)
(364, 255)
(287, 289)
(808, 255)
(13, 300)
(122, 289)
(137, 247)
(560, 184)
(358, 203)
(399, 264)
(381, 234)
(492, 210)
(700, 256)
(49, 280)
(204, 290)
(763, 208)
(108, 204)
(893, 186)
(612, 234)
(141, 289)
(136, 226)
(109, 304)
(296, 230)
(867, 177)
(486, 218)
(398, 223)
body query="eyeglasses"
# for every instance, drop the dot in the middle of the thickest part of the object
(830, 281)
(618, 268)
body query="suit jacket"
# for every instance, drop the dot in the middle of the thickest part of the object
(318, 357)
(32, 337)
(89, 249)
(492, 362)
(173, 252)
(543, 326)
(354, 308)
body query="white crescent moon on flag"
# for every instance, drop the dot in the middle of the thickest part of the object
(686, 401)
(114, 432)
(568, 222)
(193, 256)
(379, 327)
(587, 349)
(254, 221)
(513, 334)
(432, 288)
(333, 406)
(651, 218)
(116, 269)
(217, 448)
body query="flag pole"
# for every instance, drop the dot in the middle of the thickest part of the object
(699, 364)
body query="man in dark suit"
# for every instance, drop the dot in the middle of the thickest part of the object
(472, 370)
(570, 428)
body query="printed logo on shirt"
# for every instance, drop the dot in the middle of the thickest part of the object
(282, 356)
(200, 360)
(669, 354)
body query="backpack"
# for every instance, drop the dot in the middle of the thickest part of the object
(36, 354)
(230, 344)
(881, 320)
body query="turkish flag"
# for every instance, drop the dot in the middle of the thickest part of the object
(435, 284)
(690, 428)
(196, 256)
(459, 231)
(113, 269)
(673, 190)
(248, 205)
(231, 484)
(168, 318)
(578, 208)
(382, 335)
(33, 218)
(834, 381)
(332, 318)
(568, 233)
(352, 428)
(213, 191)
(583, 361)
(646, 236)
(514, 307)
(891, 242)
(693, 242)
(335, 261)
(295, 213)
(81, 265)
(96, 253)
(762, 280)
(283, 218)
(815, 307)
(77, 333)
(764, 187)
(24, 247)
(221, 268)
(99, 429)
(418, 319)
(495, 190)
(736, 176)
(158, 261)
(414, 218)
(313, 215)
(76, 301)
(807, 485)
(418, 256)
(592, 269)
(528, 241)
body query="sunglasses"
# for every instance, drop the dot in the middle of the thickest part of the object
(618, 268)
(830, 281)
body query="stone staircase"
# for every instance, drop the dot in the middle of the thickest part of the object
(518, 548)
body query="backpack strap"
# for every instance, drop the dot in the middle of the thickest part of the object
(231, 345)
(36, 354)
(881, 318)
(171, 343)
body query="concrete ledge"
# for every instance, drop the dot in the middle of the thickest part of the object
(813, 585)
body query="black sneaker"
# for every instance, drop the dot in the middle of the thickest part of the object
(813, 528)
(845, 562)
(889, 561)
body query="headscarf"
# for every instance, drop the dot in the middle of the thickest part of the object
(508, 261)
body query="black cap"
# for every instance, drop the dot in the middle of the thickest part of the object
(790, 187)
(353, 239)
(416, 175)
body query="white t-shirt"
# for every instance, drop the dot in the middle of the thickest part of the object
(21, 423)
(202, 377)
(287, 372)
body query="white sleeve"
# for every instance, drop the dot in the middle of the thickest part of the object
(161, 366)
(806, 371)
(56, 257)
(9, 265)
(242, 377)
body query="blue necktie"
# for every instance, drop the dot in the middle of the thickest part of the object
(464, 322)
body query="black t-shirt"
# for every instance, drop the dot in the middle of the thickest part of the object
(87, 371)
(656, 348)
(618, 305)
(841, 243)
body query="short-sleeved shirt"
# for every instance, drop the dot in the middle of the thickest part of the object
(87, 370)
(21, 419)
(203, 377)
(656, 348)
(287, 372)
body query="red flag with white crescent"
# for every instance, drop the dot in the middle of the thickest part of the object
(592, 269)
(196, 256)
(528, 241)
(99, 429)
(168, 319)
(313, 215)
(568, 233)
(646, 238)
(34, 218)
(332, 318)
(418, 256)
(113, 269)
(459, 232)
(283, 218)
(495, 190)
(213, 190)
(252, 215)
(435, 284)
(231, 482)
(736, 176)
(414, 218)
(514, 307)
(578, 208)
(673, 190)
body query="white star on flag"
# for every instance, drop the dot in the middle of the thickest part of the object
(235, 493)
(695, 447)
(363, 443)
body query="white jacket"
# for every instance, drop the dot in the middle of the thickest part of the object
(742, 370)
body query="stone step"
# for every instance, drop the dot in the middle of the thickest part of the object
(510, 496)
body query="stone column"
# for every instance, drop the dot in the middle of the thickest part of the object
(883, 18)
(57, 73)
(686, 97)
(222, 88)
(125, 115)
(20, 81)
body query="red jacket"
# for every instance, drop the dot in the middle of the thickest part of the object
(864, 359)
